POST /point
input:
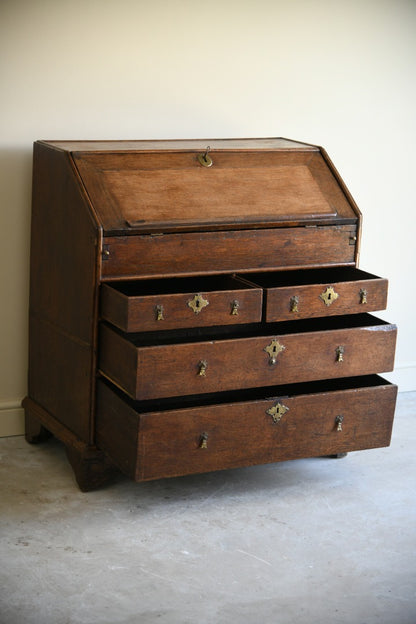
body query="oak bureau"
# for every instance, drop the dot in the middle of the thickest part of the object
(197, 306)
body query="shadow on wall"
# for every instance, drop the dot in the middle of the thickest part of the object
(15, 209)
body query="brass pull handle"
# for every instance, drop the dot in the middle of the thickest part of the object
(340, 353)
(234, 307)
(338, 421)
(204, 159)
(159, 313)
(273, 350)
(202, 368)
(294, 301)
(198, 303)
(363, 296)
(203, 441)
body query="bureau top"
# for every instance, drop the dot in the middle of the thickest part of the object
(176, 145)
(145, 187)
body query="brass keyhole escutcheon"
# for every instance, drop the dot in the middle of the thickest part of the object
(273, 350)
(234, 308)
(340, 353)
(329, 295)
(198, 303)
(159, 313)
(277, 411)
(204, 159)
(363, 296)
(203, 441)
(338, 421)
(294, 302)
(202, 368)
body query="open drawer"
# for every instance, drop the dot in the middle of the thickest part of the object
(312, 293)
(159, 304)
(151, 441)
(152, 365)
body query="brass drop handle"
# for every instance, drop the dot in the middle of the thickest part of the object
(363, 296)
(234, 308)
(203, 441)
(338, 421)
(340, 353)
(273, 350)
(159, 313)
(202, 368)
(294, 301)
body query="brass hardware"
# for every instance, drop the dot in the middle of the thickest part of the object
(234, 307)
(277, 411)
(203, 441)
(338, 421)
(294, 303)
(363, 296)
(273, 349)
(159, 313)
(202, 368)
(204, 159)
(329, 295)
(198, 303)
(105, 253)
(340, 353)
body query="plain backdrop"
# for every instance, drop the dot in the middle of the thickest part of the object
(337, 73)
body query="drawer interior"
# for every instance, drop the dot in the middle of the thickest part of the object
(150, 287)
(144, 339)
(250, 394)
(308, 277)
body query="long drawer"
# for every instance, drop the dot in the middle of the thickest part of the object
(303, 420)
(193, 253)
(148, 366)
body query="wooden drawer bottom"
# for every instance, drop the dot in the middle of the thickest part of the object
(151, 441)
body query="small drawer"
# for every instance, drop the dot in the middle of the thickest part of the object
(319, 293)
(148, 366)
(304, 420)
(148, 305)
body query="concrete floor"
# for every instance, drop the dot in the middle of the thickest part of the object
(310, 541)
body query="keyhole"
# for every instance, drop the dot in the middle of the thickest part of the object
(198, 303)
(329, 296)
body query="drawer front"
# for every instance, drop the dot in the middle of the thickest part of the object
(234, 251)
(152, 305)
(312, 294)
(220, 436)
(163, 370)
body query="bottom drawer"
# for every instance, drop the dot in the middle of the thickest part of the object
(148, 441)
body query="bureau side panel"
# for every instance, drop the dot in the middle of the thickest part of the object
(63, 286)
(235, 251)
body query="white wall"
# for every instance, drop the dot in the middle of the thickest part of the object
(336, 73)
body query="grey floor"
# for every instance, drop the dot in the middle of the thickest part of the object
(310, 541)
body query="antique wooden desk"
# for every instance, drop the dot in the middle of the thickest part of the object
(197, 306)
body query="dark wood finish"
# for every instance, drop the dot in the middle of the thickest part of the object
(63, 293)
(148, 371)
(123, 224)
(91, 466)
(357, 292)
(134, 306)
(152, 445)
(233, 252)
